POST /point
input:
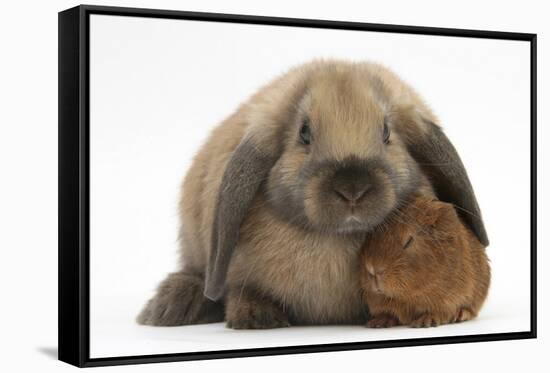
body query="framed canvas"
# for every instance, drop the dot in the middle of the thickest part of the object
(235, 186)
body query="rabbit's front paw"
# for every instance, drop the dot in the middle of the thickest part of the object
(246, 310)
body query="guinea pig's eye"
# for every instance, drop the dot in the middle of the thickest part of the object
(408, 243)
(386, 135)
(305, 133)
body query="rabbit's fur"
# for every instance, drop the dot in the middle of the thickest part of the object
(273, 216)
(424, 269)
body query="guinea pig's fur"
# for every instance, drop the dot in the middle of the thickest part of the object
(429, 270)
(278, 201)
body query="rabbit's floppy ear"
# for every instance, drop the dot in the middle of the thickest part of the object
(267, 114)
(247, 168)
(439, 159)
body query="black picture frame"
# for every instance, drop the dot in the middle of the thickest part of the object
(74, 183)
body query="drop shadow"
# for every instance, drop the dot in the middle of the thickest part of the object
(51, 352)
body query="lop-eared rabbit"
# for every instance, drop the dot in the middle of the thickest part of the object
(278, 202)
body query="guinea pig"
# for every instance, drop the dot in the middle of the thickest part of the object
(277, 203)
(425, 268)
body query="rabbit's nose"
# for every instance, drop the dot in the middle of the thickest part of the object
(352, 183)
(351, 194)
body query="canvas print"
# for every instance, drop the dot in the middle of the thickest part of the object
(278, 203)
(259, 186)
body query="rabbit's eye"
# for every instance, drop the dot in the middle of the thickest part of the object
(386, 135)
(305, 133)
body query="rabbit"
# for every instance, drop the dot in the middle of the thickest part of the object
(278, 201)
(425, 268)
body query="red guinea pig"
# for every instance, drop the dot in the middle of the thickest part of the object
(425, 269)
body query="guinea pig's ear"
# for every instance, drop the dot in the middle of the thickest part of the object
(439, 159)
(247, 168)
(442, 214)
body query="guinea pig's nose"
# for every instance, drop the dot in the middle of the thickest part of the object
(377, 287)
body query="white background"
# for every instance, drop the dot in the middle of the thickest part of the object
(158, 87)
(29, 188)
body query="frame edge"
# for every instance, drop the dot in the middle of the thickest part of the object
(69, 219)
(306, 22)
(533, 77)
